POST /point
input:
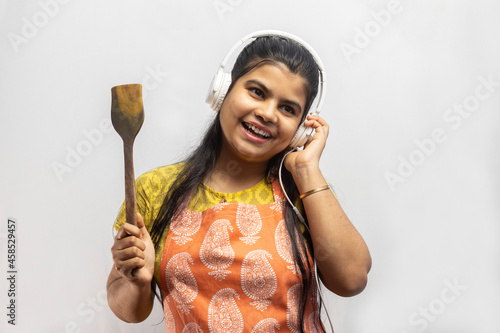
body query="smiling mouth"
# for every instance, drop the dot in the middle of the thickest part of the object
(257, 131)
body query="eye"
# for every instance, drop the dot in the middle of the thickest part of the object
(288, 109)
(257, 92)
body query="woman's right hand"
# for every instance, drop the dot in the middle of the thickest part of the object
(133, 253)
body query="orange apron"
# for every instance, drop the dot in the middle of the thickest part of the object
(230, 269)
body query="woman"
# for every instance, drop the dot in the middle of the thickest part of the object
(214, 231)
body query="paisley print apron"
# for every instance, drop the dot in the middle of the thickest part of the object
(230, 269)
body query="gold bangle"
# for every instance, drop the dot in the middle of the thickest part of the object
(318, 189)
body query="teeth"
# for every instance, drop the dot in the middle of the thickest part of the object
(259, 131)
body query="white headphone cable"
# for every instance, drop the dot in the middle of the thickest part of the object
(301, 218)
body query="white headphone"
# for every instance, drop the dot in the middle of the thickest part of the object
(222, 80)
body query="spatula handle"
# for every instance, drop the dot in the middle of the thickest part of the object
(130, 199)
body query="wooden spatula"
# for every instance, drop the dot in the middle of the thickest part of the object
(127, 116)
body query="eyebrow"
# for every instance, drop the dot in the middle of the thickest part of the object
(268, 92)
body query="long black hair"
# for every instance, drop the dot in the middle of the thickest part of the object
(199, 165)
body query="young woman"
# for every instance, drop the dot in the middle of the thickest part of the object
(215, 233)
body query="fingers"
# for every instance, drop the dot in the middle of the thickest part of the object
(142, 228)
(129, 242)
(140, 221)
(128, 269)
(127, 260)
(128, 229)
(316, 122)
(313, 148)
(320, 127)
(129, 247)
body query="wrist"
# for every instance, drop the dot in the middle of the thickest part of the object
(305, 170)
(308, 178)
(314, 190)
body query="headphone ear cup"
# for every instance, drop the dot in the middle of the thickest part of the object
(226, 82)
(212, 89)
(301, 135)
(218, 90)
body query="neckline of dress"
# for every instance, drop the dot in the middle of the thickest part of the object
(275, 188)
(231, 194)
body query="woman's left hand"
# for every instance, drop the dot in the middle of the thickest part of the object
(310, 155)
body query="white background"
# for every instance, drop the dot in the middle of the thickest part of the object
(433, 232)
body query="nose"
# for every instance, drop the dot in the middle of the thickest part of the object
(267, 111)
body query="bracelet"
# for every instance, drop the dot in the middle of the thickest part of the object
(317, 189)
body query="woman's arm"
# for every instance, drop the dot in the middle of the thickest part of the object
(130, 296)
(341, 254)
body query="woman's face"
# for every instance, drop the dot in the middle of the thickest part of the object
(261, 113)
